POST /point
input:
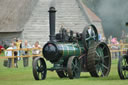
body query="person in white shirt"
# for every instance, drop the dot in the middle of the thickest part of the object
(91, 32)
(37, 50)
(26, 59)
(9, 53)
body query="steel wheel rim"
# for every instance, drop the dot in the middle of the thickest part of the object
(73, 67)
(102, 61)
(39, 69)
(86, 40)
(123, 65)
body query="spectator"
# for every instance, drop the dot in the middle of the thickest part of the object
(25, 59)
(9, 53)
(1, 49)
(20, 51)
(103, 39)
(114, 41)
(37, 50)
(120, 48)
(99, 37)
(89, 31)
(115, 47)
(15, 54)
(18, 43)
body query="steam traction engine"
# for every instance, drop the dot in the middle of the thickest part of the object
(72, 53)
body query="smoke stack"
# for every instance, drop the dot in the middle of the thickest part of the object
(52, 17)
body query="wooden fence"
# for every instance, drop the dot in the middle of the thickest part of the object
(23, 49)
(122, 48)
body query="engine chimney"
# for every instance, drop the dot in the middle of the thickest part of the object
(52, 17)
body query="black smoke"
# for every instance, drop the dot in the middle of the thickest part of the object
(113, 13)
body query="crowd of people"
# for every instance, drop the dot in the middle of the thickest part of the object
(116, 44)
(18, 44)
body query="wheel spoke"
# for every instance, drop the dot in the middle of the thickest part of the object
(124, 73)
(100, 71)
(94, 36)
(40, 62)
(38, 65)
(122, 65)
(43, 73)
(41, 68)
(102, 74)
(97, 58)
(101, 51)
(76, 62)
(98, 68)
(125, 61)
(103, 47)
(86, 39)
(97, 53)
(106, 56)
(73, 65)
(73, 70)
(77, 68)
(39, 75)
(105, 66)
(122, 62)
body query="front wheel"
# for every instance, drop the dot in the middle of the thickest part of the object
(39, 68)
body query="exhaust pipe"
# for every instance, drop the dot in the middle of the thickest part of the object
(52, 17)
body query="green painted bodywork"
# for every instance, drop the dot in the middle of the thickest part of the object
(67, 50)
(71, 49)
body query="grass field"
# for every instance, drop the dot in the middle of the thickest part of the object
(23, 76)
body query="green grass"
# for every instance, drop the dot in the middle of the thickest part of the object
(23, 76)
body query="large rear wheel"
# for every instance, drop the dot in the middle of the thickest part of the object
(99, 60)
